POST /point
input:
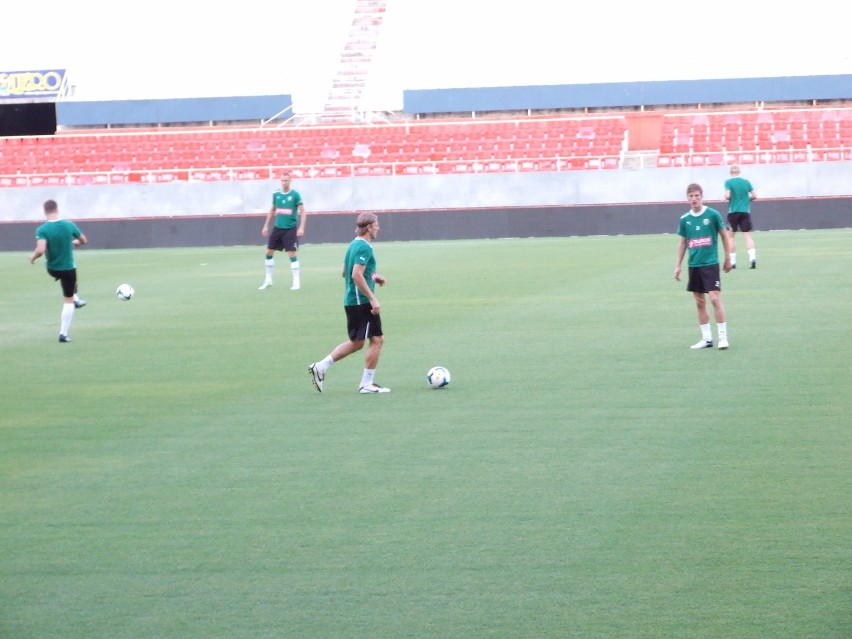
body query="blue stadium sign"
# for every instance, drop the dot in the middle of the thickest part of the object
(50, 83)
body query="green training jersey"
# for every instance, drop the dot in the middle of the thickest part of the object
(701, 231)
(286, 207)
(359, 252)
(60, 235)
(740, 198)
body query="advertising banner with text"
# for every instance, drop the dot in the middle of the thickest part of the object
(49, 83)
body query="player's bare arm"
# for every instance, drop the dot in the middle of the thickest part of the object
(302, 217)
(681, 251)
(269, 216)
(728, 244)
(41, 247)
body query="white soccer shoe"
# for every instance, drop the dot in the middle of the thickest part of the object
(265, 285)
(723, 344)
(373, 389)
(316, 377)
(702, 344)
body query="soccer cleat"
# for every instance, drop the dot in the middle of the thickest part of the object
(373, 389)
(316, 377)
(754, 264)
(79, 303)
(64, 338)
(733, 266)
(704, 343)
(264, 286)
(723, 344)
(295, 287)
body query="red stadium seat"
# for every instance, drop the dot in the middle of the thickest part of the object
(576, 142)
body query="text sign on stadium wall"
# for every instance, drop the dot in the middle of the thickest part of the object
(32, 84)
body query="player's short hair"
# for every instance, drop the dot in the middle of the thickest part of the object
(694, 187)
(365, 220)
(50, 206)
(735, 169)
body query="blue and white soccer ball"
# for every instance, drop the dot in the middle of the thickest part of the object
(124, 292)
(438, 377)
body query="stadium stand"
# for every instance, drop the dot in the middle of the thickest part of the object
(105, 156)
(762, 137)
(531, 143)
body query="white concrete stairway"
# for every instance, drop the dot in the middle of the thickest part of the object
(349, 81)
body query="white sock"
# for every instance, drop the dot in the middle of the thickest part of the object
(706, 333)
(295, 269)
(270, 266)
(752, 254)
(367, 377)
(66, 317)
(733, 258)
(722, 330)
(325, 364)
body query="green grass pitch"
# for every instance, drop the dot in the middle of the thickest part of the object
(172, 473)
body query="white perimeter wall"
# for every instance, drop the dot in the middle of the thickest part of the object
(329, 195)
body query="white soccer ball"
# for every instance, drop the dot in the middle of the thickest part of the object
(438, 377)
(124, 292)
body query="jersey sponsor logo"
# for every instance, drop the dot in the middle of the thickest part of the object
(698, 242)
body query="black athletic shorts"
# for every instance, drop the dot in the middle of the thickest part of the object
(703, 279)
(361, 324)
(68, 279)
(739, 222)
(283, 240)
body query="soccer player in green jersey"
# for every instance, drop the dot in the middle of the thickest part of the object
(363, 322)
(288, 213)
(739, 193)
(699, 230)
(56, 240)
